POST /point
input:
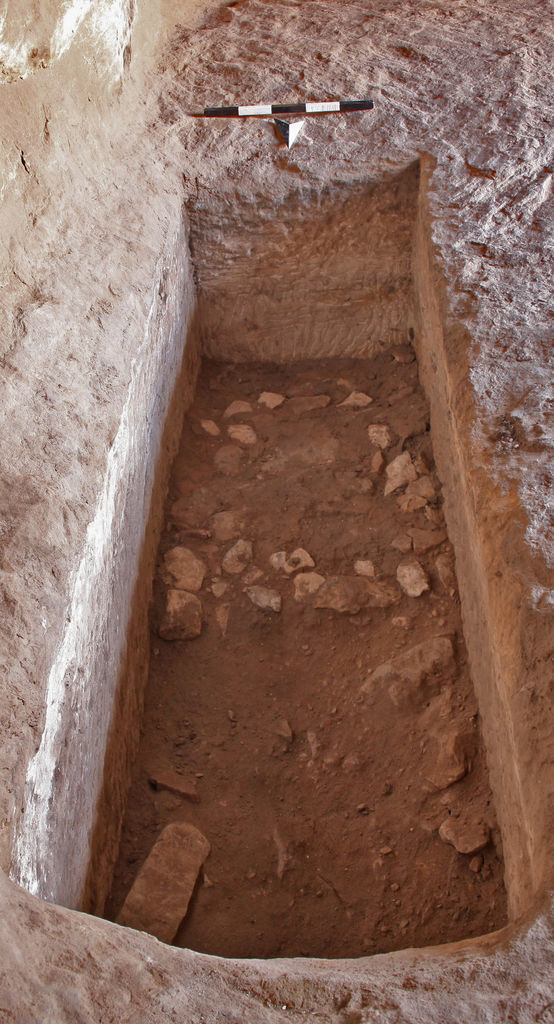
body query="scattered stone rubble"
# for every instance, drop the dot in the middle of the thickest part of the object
(310, 554)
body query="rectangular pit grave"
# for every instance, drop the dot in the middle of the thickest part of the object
(309, 682)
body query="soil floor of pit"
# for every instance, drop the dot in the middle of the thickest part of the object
(318, 799)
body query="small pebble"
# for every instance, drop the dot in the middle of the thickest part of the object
(237, 409)
(270, 399)
(210, 427)
(356, 400)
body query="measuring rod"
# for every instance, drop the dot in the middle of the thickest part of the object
(270, 109)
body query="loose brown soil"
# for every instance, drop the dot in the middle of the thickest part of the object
(316, 797)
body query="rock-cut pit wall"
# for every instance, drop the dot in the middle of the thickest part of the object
(322, 275)
(99, 302)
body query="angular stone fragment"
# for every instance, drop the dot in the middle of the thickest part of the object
(210, 427)
(242, 434)
(403, 354)
(356, 400)
(183, 570)
(379, 435)
(228, 460)
(410, 502)
(182, 616)
(400, 622)
(193, 508)
(237, 408)
(464, 834)
(237, 557)
(342, 594)
(406, 674)
(302, 405)
(349, 594)
(364, 567)
(399, 472)
(319, 452)
(424, 540)
(423, 487)
(219, 588)
(402, 542)
(227, 525)
(381, 595)
(298, 559)
(401, 394)
(445, 571)
(174, 783)
(452, 756)
(222, 617)
(306, 584)
(278, 561)
(421, 464)
(434, 515)
(160, 895)
(412, 577)
(270, 399)
(377, 462)
(252, 575)
(284, 730)
(263, 597)
(197, 532)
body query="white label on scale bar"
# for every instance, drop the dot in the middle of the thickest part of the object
(260, 109)
(321, 108)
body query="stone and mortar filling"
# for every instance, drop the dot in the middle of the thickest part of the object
(97, 159)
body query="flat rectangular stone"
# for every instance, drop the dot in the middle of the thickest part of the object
(424, 540)
(175, 783)
(161, 892)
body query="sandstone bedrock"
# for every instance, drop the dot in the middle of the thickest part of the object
(113, 205)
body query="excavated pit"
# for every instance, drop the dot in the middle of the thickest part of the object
(331, 783)
(101, 296)
(321, 732)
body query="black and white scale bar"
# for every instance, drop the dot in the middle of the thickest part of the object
(270, 109)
